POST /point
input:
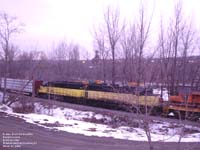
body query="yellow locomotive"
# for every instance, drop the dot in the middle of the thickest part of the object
(99, 92)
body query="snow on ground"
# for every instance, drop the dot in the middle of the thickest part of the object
(5, 108)
(66, 113)
(75, 121)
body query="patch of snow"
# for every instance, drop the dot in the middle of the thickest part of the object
(5, 108)
(16, 104)
(171, 114)
(99, 116)
(67, 113)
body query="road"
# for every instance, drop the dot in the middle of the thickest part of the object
(45, 139)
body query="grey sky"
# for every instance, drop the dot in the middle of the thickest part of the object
(49, 21)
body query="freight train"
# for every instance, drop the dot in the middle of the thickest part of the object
(98, 91)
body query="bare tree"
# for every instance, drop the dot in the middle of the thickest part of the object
(74, 57)
(113, 32)
(61, 51)
(65, 59)
(101, 51)
(9, 26)
(134, 42)
(142, 36)
(26, 62)
(165, 54)
(175, 37)
(187, 39)
(177, 65)
(176, 46)
(60, 57)
(74, 52)
(127, 41)
(12, 55)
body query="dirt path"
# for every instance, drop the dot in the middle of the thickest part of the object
(45, 139)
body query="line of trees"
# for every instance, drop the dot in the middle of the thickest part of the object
(171, 62)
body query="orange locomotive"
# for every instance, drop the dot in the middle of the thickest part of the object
(185, 104)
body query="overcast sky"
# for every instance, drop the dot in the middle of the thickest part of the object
(49, 21)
